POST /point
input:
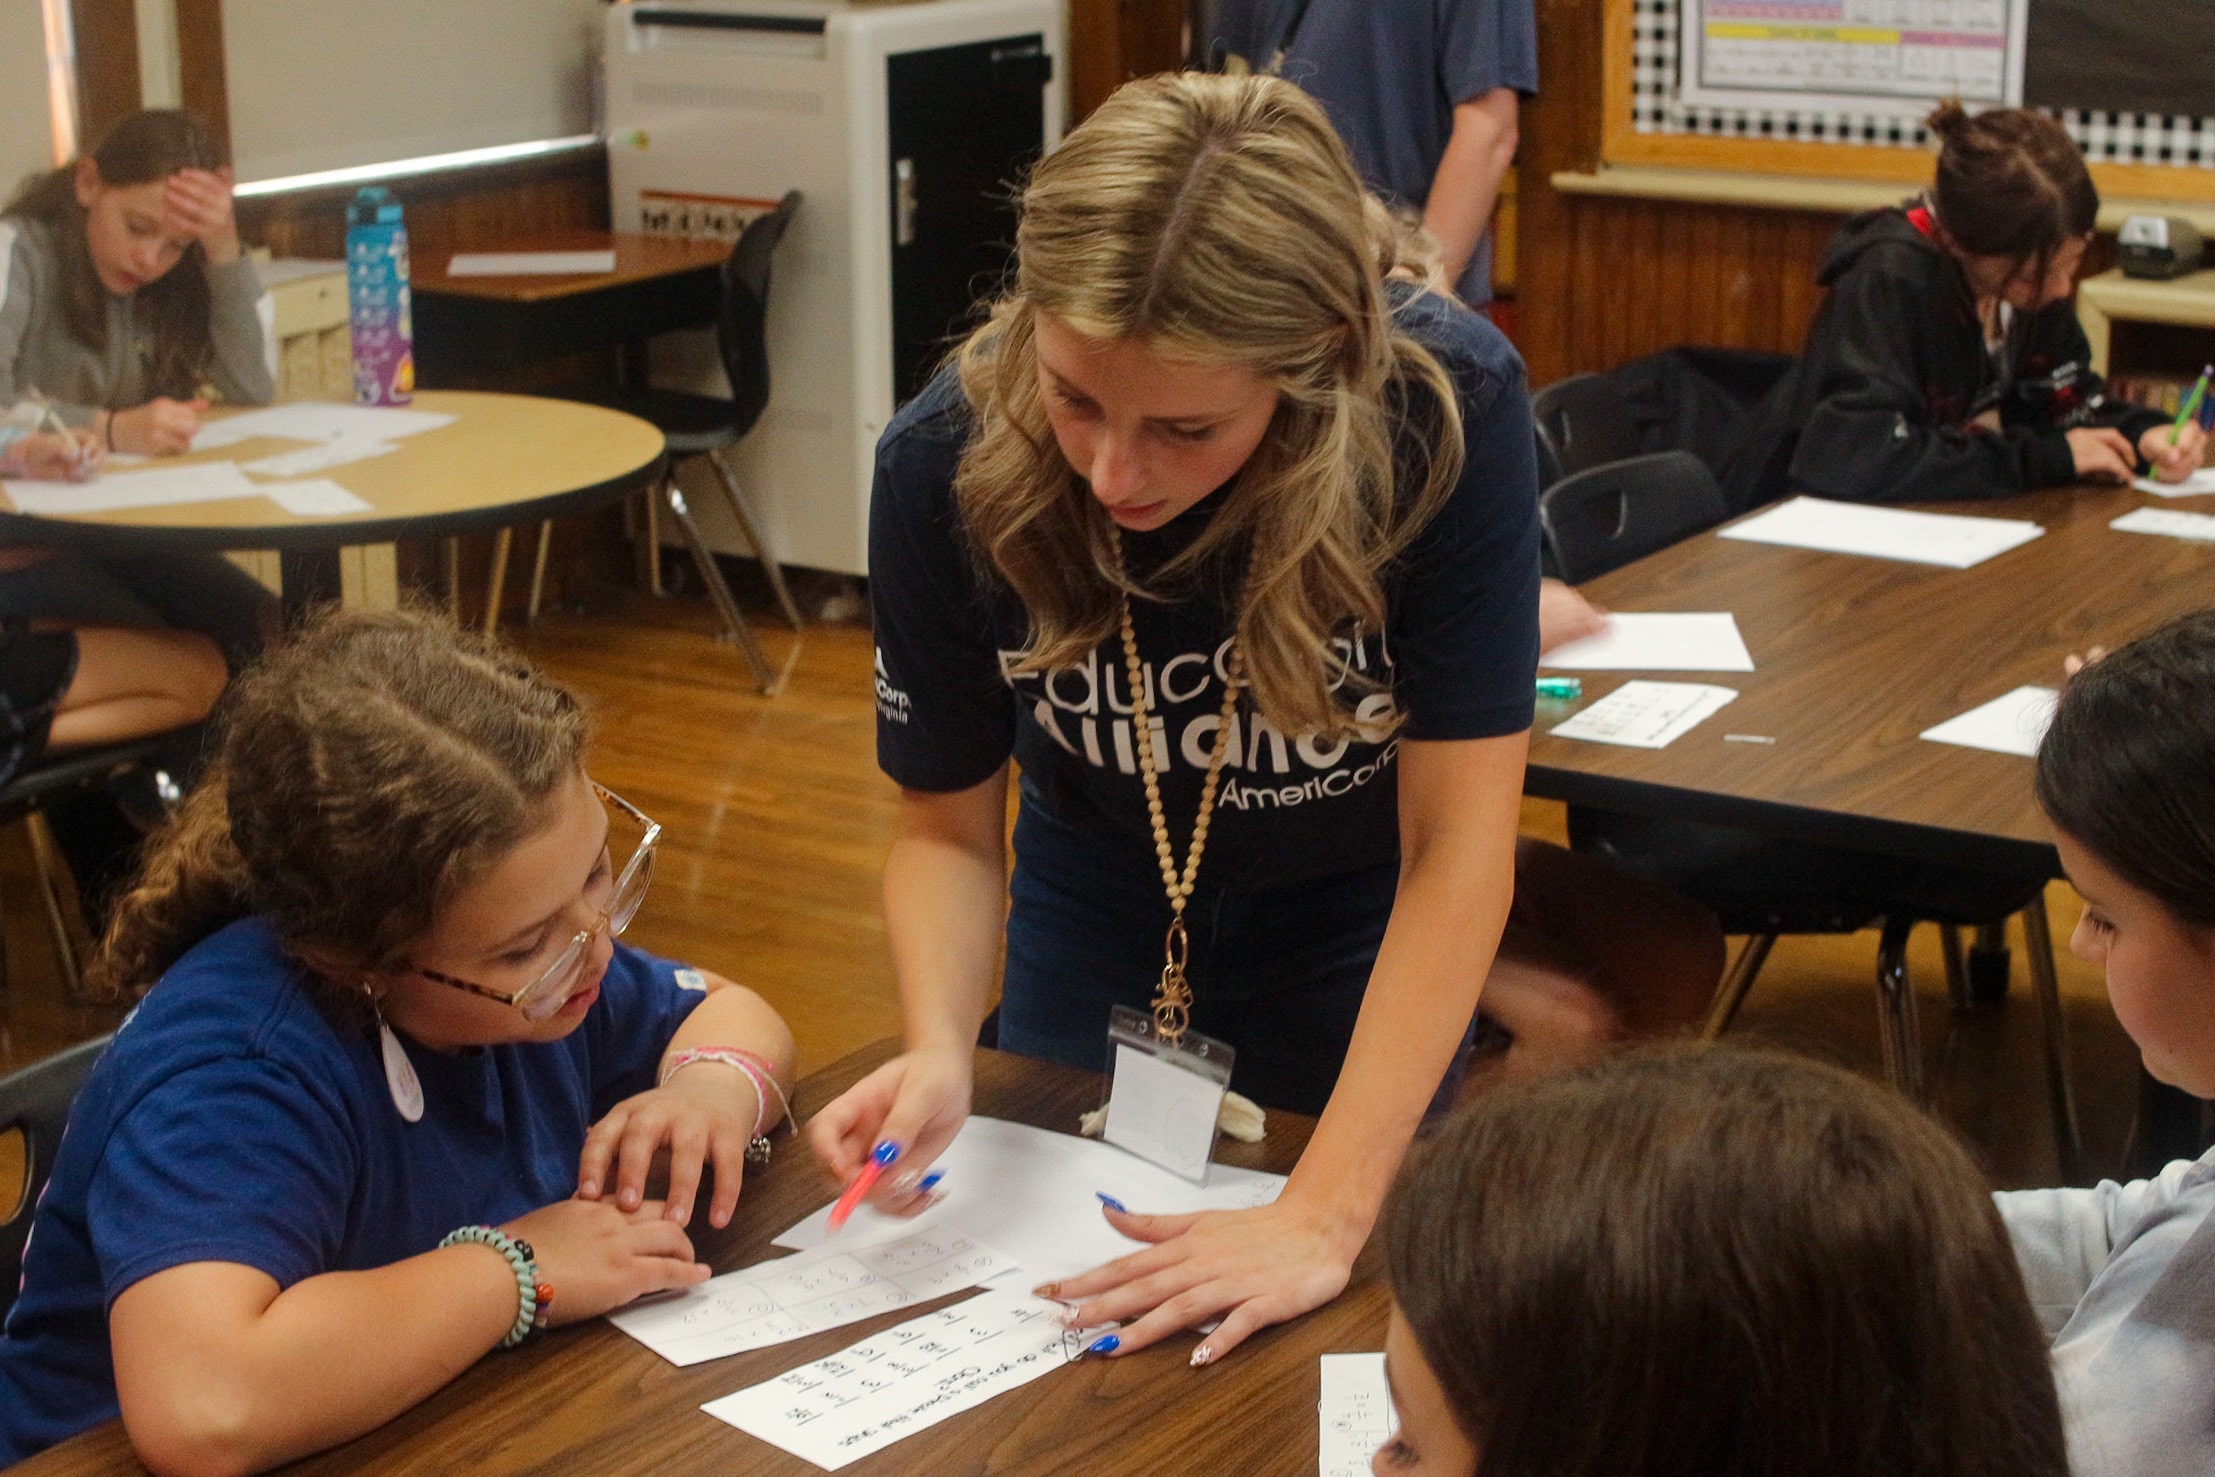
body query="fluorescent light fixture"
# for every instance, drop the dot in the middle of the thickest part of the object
(365, 174)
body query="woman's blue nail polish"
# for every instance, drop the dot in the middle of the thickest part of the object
(930, 1182)
(1105, 1344)
(885, 1153)
(1111, 1202)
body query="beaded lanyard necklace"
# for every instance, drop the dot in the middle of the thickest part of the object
(1172, 1003)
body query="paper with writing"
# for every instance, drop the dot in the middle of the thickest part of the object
(1954, 540)
(808, 1292)
(320, 457)
(2014, 723)
(1355, 1414)
(1646, 715)
(1701, 641)
(318, 420)
(2168, 522)
(904, 1380)
(156, 487)
(2200, 484)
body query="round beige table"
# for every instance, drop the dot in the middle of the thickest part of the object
(505, 459)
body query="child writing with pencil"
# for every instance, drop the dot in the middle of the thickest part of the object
(391, 1100)
(2123, 1276)
(1707, 1262)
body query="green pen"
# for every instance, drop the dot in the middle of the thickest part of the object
(1561, 687)
(2191, 405)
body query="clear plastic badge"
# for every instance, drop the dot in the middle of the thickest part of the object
(1163, 1097)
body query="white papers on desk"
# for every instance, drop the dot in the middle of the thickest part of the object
(529, 263)
(1355, 1414)
(1646, 715)
(319, 420)
(2168, 522)
(1034, 1195)
(2013, 724)
(808, 1292)
(1706, 641)
(317, 497)
(1949, 539)
(2200, 484)
(198, 482)
(904, 1380)
(320, 457)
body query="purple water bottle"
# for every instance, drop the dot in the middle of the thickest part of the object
(379, 310)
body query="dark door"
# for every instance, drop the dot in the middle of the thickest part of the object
(965, 122)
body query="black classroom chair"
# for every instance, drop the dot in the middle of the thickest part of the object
(1605, 516)
(1581, 424)
(34, 1102)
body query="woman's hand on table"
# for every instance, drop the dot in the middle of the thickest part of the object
(1250, 1268)
(197, 203)
(2103, 454)
(160, 427)
(2174, 463)
(1565, 616)
(704, 1114)
(918, 1100)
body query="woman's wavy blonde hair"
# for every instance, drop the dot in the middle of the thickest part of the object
(1219, 220)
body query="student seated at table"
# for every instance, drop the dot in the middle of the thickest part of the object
(1946, 364)
(2123, 1276)
(1707, 1262)
(391, 1100)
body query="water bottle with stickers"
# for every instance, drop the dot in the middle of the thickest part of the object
(379, 310)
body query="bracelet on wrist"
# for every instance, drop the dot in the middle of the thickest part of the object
(534, 1297)
(756, 1070)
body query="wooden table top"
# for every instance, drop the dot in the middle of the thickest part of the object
(1854, 657)
(505, 459)
(588, 1399)
(637, 259)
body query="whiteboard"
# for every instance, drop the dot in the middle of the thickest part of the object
(1885, 58)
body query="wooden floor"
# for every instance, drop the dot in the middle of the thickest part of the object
(778, 819)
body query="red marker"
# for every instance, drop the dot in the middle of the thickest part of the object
(880, 1159)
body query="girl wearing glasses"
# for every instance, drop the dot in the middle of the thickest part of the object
(391, 1100)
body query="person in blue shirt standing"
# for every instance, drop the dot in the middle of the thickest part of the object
(1424, 92)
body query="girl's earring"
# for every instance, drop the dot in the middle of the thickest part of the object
(400, 1079)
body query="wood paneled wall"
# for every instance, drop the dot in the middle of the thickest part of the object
(1112, 41)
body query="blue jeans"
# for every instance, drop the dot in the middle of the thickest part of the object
(1278, 972)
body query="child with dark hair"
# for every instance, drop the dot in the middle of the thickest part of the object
(1707, 1262)
(2123, 1276)
(392, 1098)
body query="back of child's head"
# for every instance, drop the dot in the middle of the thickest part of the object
(1713, 1262)
(2011, 183)
(365, 771)
(2127, 768)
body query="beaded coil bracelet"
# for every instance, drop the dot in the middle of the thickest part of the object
(534, 1298)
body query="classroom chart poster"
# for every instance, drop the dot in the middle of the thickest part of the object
(1896, 58)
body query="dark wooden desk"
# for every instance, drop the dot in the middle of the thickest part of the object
(1854, 657)
(479, 325)
(591, 1400)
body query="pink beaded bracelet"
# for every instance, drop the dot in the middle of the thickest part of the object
(757, 1071)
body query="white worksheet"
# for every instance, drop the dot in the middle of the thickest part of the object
(1355, 1414)
(904, 1380)
(197, 482)
(2199, 484)
(1646, 715)
(808, 1292)
(1951, 539)
(319, 420)
(1034, 1195)
(2012, 724)
(2168, 522)
(529, 263)
(316, 497)
(1704, 641)
(320, 457)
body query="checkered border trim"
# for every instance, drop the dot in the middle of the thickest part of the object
(2109, 138)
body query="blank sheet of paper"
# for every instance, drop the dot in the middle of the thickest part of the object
(1950, 539)
(317, 497)
(320, 457)
(808, 1292)
(1034, 1195)
(2012, 724)
(529, 263)
(1646, 715)
(2167, 522)
(199, 482)
(1355, 1414)
(2200, 484)
(319, 420)
(1706, 641)
(904, 1380)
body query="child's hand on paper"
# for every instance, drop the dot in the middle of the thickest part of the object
(54, 456)
(918, 1100)
(2103, 454)
(596, 1257)
(1251, 1268)
(704, 1114)
(1565, 616)
(2174, 463)
(160, 427)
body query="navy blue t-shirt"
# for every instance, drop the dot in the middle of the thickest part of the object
(233, 1121)
(1456, 657)
(1390, 74)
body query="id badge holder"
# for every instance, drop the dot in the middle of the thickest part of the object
(1164, 1096)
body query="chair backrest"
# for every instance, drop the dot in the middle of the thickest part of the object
(1603, 518)
(34, 1103)
(1581, 424)
(742, 322)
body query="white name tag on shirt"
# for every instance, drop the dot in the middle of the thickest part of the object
(1162, 1099)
